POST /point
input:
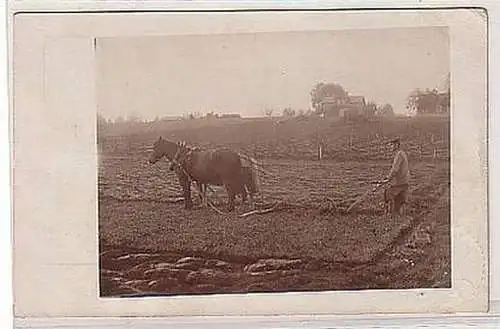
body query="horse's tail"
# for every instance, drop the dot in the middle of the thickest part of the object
(253, 180)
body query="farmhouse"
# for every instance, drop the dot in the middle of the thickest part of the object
(329, 106)
(347, 112)
(357, 101)
(337, 107)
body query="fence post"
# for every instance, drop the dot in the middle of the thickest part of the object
(433, 147)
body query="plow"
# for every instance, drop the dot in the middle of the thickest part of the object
(378, 186)
(257, 167)
(332, 205)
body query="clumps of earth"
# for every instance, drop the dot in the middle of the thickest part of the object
(145, 273)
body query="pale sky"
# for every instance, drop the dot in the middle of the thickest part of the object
(247, 73)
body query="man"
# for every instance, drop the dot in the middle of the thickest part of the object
(398, 179)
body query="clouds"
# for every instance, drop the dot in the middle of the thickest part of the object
(247, 73)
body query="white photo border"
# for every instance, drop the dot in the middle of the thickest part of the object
(54, 58)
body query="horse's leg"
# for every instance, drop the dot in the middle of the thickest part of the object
(188, 202)
(185, 183)
(244, 194)
(200, 190)
(252, 201)
(204, 195)
(231, 200)
(231, 196)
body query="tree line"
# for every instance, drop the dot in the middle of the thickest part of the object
(429, 102)
(322, 90)
(419, 102)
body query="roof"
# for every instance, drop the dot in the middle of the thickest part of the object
(356, 99)
(329, 99)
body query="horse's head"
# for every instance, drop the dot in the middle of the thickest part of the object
(161, 148)
(180, 155)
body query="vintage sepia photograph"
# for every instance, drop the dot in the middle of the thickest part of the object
(250, 164)
(273, 162)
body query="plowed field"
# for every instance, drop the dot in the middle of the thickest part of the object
(149, 244)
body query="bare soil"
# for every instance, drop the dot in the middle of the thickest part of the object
(150, 244)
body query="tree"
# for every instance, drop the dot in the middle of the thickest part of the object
(370, 109)
(269, 113)
(211, 115)
(288, 112)
(447, 83)
(446, 97)
(428, 101)
(445, 102)
(386, 111)
(322, 90)
(101, 120)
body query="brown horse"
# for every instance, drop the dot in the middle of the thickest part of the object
(219, 167)
(168, 149)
